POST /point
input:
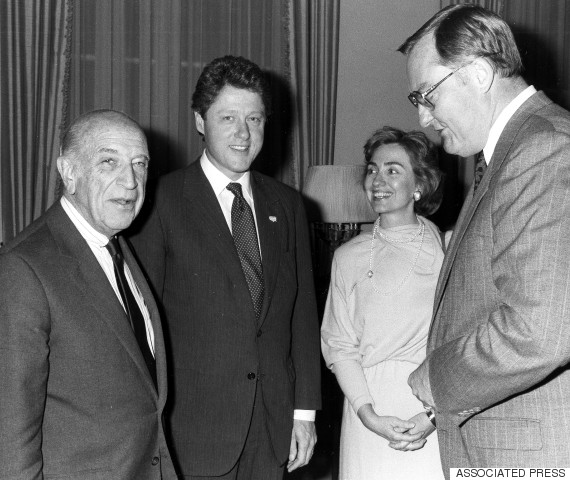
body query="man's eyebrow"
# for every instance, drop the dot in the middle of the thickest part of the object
(234, 111)
(112, 151)
(107, 150)
(394, 163)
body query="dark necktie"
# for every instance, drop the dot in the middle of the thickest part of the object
(133, 311)
(480, 167)
(245, 239)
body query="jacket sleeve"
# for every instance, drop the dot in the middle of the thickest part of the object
(24, 367)
(305, 345)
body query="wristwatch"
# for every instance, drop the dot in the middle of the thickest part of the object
(431, 417)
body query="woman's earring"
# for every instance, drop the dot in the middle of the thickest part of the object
(417, 195)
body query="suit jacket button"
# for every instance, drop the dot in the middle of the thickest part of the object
(251, 376)
(155, 460)
(259, 333)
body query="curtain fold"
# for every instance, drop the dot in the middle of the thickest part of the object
(32, 80)
(542, 32)
(314, 39)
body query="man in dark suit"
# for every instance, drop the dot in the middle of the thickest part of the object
(497, 370)
(227, 251)
(82, 392)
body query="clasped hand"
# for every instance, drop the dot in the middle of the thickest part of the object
(404, 435)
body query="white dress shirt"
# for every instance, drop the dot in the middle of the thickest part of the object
(219, 182)
(503, 119)
(97, 242)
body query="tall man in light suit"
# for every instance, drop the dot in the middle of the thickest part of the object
(227, 251)
(79, 398)
(496, 372)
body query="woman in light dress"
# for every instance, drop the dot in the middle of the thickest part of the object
(378, 313)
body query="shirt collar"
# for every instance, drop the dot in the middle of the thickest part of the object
(503, 119)
(219, 181)
(92, 236)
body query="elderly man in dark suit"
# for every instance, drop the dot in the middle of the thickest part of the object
(82, 363)
(497, 370)
(227, 251)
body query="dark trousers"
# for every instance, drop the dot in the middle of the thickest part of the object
(257, 460)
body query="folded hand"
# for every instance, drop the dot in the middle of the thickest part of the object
(393, 429)
(423, 426)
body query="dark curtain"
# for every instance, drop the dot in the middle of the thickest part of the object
(314, 36)
(542, 32)
(33, 45)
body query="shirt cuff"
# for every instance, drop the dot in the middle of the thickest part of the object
(307, 415)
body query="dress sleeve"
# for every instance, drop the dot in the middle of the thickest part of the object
(340, 342)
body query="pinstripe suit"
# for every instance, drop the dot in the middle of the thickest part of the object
(500, 338)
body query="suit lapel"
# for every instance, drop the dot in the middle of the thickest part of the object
(271, 225)
(204, 209)
(85, 274)
(538, 100)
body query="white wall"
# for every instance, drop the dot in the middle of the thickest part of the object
(372, 85)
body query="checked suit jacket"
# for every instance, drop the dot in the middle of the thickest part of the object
(499, 344)
(219, 352)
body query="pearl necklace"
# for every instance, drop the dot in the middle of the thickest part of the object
(420, 233)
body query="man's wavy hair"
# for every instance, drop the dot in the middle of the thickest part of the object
(423, 159)
(238, 72)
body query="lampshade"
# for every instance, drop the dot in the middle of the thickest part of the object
(335, 194)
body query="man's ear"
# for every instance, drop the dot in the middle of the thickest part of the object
(483, 74)
(199, 122)
(66, 168)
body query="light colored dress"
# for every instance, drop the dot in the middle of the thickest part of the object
(377, 336)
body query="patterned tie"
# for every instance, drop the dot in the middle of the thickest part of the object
(245, 239)
(480, 167)
(133, 311)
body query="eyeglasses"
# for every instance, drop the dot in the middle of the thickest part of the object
(419, 98)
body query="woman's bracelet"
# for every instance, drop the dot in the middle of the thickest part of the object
(431, 417)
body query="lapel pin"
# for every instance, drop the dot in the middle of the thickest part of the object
(272, 218)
